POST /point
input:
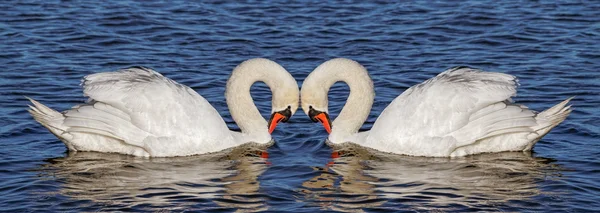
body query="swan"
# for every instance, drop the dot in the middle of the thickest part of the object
(462, 111)
(137, 111)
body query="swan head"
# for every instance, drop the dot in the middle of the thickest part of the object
(286, 95)
(314, 94)
(314, 104)
(283, 110)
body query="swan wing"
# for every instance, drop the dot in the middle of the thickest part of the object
(459, 106)
(157, 105)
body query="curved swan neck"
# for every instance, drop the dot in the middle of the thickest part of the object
(241, 106)
(358, 106)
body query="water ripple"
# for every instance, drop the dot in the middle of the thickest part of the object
(48, 46)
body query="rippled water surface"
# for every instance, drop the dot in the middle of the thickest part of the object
(48, 46)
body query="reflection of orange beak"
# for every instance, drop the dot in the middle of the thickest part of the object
(275, 119)
(324, 119)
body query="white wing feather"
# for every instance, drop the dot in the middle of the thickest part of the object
(454, 109)
(444, 103)
(142, 108)
(156, 104)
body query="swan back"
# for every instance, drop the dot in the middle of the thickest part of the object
(154, 103)
(443, 104)
(140, 112)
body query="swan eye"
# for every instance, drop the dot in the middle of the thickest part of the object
(310, 107)
(289, 107)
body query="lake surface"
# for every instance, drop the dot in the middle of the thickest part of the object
(48, 46)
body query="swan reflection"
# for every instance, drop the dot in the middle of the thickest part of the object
(227, 179)
(366, 179)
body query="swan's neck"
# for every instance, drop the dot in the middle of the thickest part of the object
(240, 103)
(361, 97)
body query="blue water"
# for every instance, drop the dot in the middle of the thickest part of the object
(46, 47)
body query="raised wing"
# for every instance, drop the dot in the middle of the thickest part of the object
(447, 103)
(156, 104)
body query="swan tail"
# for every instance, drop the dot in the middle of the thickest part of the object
(51, 119)
(90, 119)
(557, 113)
(548, 119)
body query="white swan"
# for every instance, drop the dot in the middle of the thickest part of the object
(461, 111)
(137, 111)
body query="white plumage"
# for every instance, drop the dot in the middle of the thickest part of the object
(461, 111)
(138, 111)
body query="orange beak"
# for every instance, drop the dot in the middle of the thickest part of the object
(281, 116)
(324, 119)
(275, 119)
